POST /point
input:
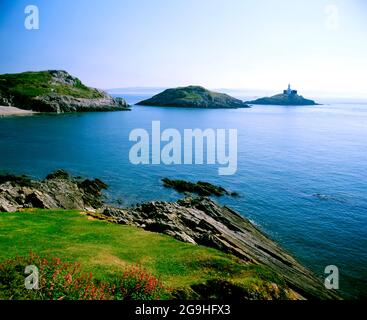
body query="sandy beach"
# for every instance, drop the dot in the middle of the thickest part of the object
(12, 111)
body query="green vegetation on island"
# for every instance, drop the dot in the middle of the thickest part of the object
(193, 97)
(54, 91)
(283, 100)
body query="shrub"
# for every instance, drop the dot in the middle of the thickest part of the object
(66, 281)
(137, 284)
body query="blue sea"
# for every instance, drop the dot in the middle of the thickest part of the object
(302, 171)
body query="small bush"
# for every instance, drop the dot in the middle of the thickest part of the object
(66, 281)
(137, 284)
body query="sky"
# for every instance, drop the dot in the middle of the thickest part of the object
(317, 45)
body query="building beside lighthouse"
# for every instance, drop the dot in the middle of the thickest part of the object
(289, 91)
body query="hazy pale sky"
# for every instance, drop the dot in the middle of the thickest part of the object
(317, 45)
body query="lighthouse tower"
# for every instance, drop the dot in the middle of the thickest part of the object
(289, 91)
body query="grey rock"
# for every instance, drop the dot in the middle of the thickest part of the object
(61, 103)
(204, 222)
(58, 190)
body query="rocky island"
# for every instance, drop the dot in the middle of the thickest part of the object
(194, 220)
(54, 91)
(289, 97)
(193, 97)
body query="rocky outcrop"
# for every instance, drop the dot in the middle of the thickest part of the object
(54, 91)
(193, 97)
(194, 220)
(60, 103)
(202, 221)
(200, 188)
(58, 190)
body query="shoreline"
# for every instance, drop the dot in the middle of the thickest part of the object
(13, 111)
(193, 219)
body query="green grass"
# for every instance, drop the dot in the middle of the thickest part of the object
(195, 93)
(105, 248)
(32, 84)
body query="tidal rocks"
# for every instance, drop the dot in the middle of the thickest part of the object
(58, 174)
(58, 190)
(204, 222)
(193, 97)
(54, 91)
(200, 188)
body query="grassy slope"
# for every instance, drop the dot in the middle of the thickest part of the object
(187, 94)
(194, 93)
(32, 84)
(104, 248)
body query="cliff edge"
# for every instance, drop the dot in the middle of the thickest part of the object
(54, 91)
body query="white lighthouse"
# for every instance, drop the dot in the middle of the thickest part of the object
(289, 91)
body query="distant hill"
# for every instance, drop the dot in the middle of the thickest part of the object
(193, 97)
(54, 91)
(284, 100)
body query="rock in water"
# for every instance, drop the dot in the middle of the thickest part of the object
(201, 188)
(193, 97)
(54, 91)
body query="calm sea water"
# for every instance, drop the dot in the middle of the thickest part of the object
(286, 156)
